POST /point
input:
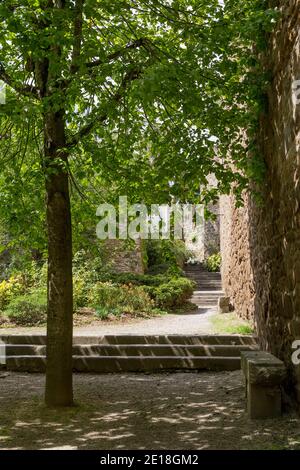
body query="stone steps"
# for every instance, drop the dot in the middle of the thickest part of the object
(203, 275)
(131, 353)
(139, 353)
(156, 350)
(206, 297)
(208, 292)
(208, 286)
(39, 339)
(204, 282)
(109, 364)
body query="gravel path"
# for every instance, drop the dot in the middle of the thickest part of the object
(195, 322)
(132, 411)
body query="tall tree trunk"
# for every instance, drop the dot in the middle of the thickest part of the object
(59, 390)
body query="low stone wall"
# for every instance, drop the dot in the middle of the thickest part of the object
(122, 257)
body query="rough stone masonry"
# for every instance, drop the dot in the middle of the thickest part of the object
(261, 243)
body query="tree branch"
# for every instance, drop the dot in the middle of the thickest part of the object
(78, 22)
(142, 42)
(130, 76)
(25, 90)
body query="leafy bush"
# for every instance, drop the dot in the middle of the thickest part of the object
(29, 309)
(213, 263)
(38, 274)
(9, 289)
(169, 253)
(34, 274)
(129, 278)
(23, 296)
(91, 267)
(103, 312)
(131, 293)
(165, 269)
(86, 272)
(137, 279)
(158, 269)
(82, 283)
(108, 298)
(171, 294)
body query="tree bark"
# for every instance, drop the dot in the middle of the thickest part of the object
(59, 390)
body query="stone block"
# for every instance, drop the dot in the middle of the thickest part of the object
(263, 402)
(224, 305)
(264, 374)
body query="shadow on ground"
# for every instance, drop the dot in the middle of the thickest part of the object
(132, 411)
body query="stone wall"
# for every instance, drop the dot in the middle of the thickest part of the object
(124, 258)
(205, 240)
(211, 232)
(237, 275)
(270, 232)
(275, 226)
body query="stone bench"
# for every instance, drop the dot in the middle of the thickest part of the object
(264, 374)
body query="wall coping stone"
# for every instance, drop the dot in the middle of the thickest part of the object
(262, 368)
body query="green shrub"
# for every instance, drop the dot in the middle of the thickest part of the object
(23, 296)
(82, 283)
(166, 270)
(91, 267)
(130, 293)
(108, 298)
(158, 269)
(86, 272)
(29, 309)
(213, 263)
(171, 294)
(9, 289)
(40, 276)
(35, 274)
(129, 278)
(138, 279)
(171, 253)
(103, 311)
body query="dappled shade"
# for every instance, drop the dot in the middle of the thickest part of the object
(132, 411)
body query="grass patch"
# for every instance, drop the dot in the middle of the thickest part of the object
(230, 323)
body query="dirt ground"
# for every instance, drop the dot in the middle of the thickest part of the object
(200, 321)
(138, 411)
(191, 322)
